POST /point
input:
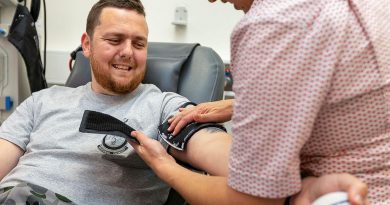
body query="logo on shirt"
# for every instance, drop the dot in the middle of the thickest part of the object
(114, 145)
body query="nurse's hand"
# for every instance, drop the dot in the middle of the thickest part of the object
(152, 152)
(313, 188)
(217, 111)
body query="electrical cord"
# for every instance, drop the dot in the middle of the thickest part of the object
(73, 55)
(44, 37)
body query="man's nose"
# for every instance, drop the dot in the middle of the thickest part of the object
(127, 50)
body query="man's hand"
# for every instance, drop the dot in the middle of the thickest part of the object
(217, 111)
(313, 188)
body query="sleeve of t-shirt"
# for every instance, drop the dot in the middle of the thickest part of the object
(18, 126)
(282, 69)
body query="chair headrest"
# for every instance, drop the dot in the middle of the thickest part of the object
(163, 68)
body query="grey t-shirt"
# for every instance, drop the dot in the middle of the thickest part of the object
(60, 158)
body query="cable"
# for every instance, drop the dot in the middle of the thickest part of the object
(73, 56)
(70, 64)
(45, 39)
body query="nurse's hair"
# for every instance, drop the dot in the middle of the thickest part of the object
(94, 14)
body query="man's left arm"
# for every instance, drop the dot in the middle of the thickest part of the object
(208, 150)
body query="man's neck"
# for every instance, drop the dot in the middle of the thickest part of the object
(99, 89)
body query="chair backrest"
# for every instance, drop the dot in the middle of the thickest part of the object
(191, 70)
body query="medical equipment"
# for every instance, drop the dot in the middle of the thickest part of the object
(14, 86)
(334, 198)
(101, 123)
(180, 141)
(9, 72)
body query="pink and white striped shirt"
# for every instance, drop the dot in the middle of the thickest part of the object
(312, 85)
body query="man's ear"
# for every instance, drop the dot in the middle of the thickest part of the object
(86, 44)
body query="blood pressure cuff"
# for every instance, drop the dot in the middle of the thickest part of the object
(180, 141)
(100, 123)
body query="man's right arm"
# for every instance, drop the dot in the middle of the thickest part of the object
(9, 157)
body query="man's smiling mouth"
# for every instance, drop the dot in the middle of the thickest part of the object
(122, 67)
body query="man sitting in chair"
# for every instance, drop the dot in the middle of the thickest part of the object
(42, 151)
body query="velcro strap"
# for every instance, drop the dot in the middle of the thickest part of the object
(101, 123)
(188, 103)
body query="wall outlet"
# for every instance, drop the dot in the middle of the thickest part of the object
(181, 16)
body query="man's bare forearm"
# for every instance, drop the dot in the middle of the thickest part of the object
(207, 190)
(208, 150)
(9, 157)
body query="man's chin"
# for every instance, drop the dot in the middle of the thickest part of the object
(121, 90)
(118, 85)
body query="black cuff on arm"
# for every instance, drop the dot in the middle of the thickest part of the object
(180, 141)
(188, 103)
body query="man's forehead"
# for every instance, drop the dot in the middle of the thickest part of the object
(115, 21)
(117, 14)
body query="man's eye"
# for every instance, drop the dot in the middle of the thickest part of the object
(139, 45)
(113, 41)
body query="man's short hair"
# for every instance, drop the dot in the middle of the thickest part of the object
(94, 14)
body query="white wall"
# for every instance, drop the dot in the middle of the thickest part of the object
(208, 24)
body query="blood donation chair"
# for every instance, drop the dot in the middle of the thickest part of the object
(191, 70)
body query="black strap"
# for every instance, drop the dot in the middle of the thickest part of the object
(287, 202)
(188, 103)
(180, 141)
(101, 123)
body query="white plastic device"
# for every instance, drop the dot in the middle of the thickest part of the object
(334, 198)
(4, 28)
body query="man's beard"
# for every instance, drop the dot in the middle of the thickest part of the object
(108, 83)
